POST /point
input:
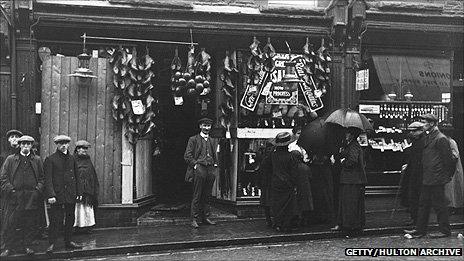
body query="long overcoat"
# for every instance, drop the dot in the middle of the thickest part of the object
(437, 159)
(60, 178)
(87, 179)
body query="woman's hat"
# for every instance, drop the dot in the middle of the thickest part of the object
(82, 143)
(283, 139)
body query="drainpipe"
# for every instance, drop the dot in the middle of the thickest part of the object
(13, 66)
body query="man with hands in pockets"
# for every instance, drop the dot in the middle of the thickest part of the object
(61, 192)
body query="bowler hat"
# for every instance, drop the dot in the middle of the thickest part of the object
(283, 139)
(12, 132)
(82, 143)
(205, 120)
(61, 138)
(26, 138)
(429, 117)
(415, 125)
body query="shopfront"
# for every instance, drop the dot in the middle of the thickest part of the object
(248, 95)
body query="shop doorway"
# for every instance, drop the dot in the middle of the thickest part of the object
(179, 123)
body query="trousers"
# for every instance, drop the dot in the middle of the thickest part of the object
(433, 197)
(203, 180)
(58, 212)
(21, 230)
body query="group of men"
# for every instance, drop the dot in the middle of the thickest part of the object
(25, 183)
(431, 165)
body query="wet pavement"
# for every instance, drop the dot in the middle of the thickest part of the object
(174, 236)
(329, 249)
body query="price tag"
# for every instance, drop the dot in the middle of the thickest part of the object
(228, 135)
(178, 101)
(137, 107)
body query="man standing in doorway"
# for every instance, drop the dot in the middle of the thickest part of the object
(437, 165)
(61, 192)
(201, 157)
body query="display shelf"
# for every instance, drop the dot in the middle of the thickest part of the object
(259, 133)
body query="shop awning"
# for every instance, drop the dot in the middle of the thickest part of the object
(426, 77)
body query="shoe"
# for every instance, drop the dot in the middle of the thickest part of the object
(440, 235)
(208, 222)
(72, 245)
(5, 253)
(50, 248)
(336, 228)
(29, 251)
(195, 224)
(410, 231)
(417, 235)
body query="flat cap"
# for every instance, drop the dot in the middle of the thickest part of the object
(429, 117)
(415, 125)
(61, 138)
(82, 143)
(205, 120)
(12, 132)
(26, 138)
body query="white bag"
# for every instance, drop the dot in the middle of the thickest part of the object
(84, 215)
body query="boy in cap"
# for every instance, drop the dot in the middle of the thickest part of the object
(438, 167)
(12, 136)
(61, 192)
(22, 181)
(201, 157)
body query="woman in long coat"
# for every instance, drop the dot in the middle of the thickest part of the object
(351, 209)
(454, 189)
(284, 180)
(265, 180)
(322, 188)
(87, 182)
(303, 187)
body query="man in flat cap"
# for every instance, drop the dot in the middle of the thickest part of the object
(13, 147)
(438, 167)
(412, 170)
(22, 181)
(201, 158)
(61, 192)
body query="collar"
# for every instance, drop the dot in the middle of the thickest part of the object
(24, 154)
(204, 136)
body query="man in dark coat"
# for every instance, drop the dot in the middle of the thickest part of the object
(22, 181)
(284, 184)
(202, 160)
(412, 180)
(61, 191)
(438, 168)
(12, 136)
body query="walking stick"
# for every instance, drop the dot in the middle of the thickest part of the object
(47, 220)
(403, 171)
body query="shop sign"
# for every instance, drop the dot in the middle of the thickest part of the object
(279, 94)
(369, 108)
(260, 133)
(252, 92)
(308, 88)
(362, 80)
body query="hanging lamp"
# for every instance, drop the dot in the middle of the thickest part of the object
(83, 74)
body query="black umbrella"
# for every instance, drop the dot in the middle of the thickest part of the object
(319, 137)
(349, 118)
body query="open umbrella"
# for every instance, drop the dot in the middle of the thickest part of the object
(349, 118)
(319, 137)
